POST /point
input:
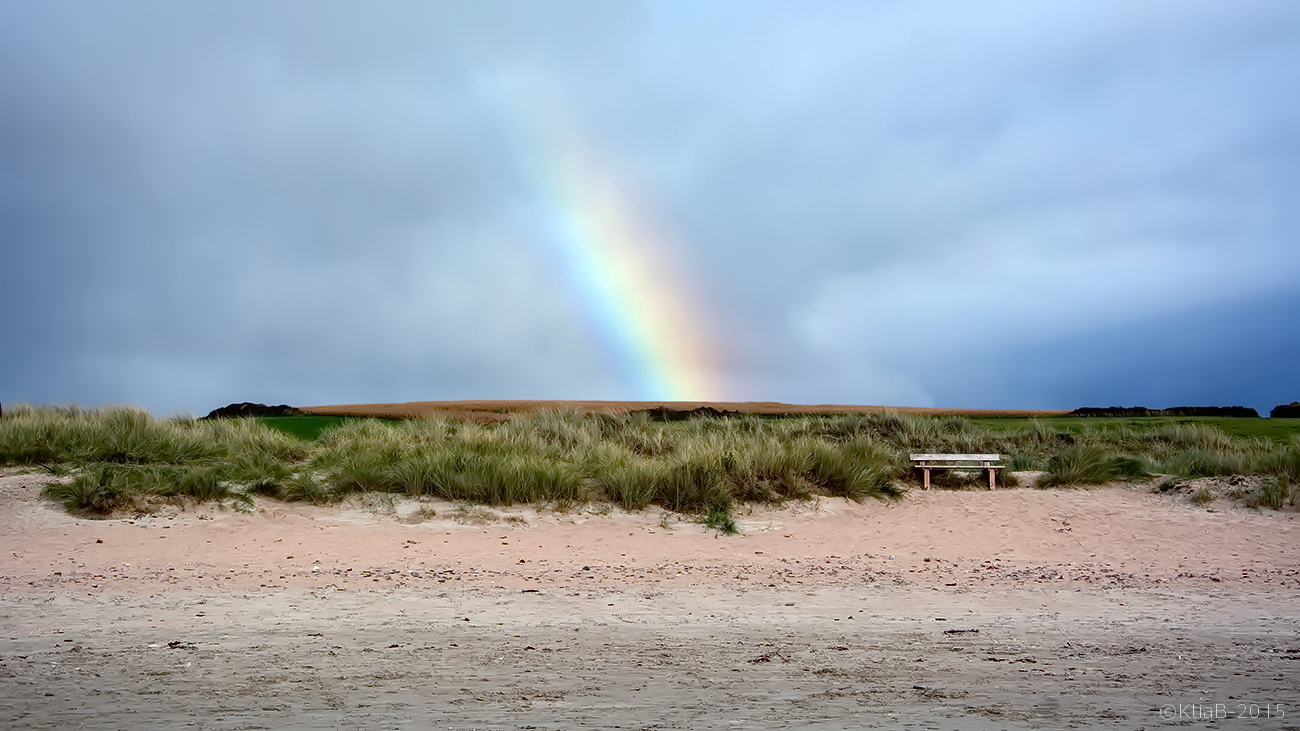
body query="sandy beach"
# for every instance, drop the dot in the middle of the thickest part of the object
(1108, 607)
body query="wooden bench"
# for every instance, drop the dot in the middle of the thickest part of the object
(929, 462)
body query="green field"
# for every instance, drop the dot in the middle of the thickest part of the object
(307, 427)
(1277, 430)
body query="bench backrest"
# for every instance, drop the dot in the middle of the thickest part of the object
(956, 457)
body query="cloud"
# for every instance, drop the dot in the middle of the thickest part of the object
(987, 296)
(312, 202)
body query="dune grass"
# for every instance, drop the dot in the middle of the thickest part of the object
(117, 454)
(118, 458)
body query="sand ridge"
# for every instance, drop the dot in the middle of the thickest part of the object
(1013, 609)
(1094, 537)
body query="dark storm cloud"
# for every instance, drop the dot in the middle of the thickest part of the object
(885, 202)
(216, 204)
(1012, 179)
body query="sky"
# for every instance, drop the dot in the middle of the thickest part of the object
(1004, 204)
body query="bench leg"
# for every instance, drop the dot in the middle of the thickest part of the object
(926, 470)
(993, 472)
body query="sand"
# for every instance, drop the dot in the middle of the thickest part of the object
(1020, 608)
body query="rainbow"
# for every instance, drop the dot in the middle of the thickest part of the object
(623, 272)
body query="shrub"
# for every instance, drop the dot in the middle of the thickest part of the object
(1274, 492)
(360, 471)
(690, 485)
(421, 473)
(721, 521)
(1201, 462)
(630, 482)
(1039, 436)
(303, 487)
(98, 490)
(1089, 465)
(858, 470)
(200, 483)
(118, 434)
(764, 469)
(1284, 462)
(1193, 435)
(910, 431)
(1021, 463)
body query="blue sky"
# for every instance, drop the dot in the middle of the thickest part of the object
(995, 204)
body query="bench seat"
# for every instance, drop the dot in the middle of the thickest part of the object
(928, 462)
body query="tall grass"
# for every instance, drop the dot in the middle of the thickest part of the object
(1090, 464)
(116, 457)
(1274, 492)
(119, 454)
